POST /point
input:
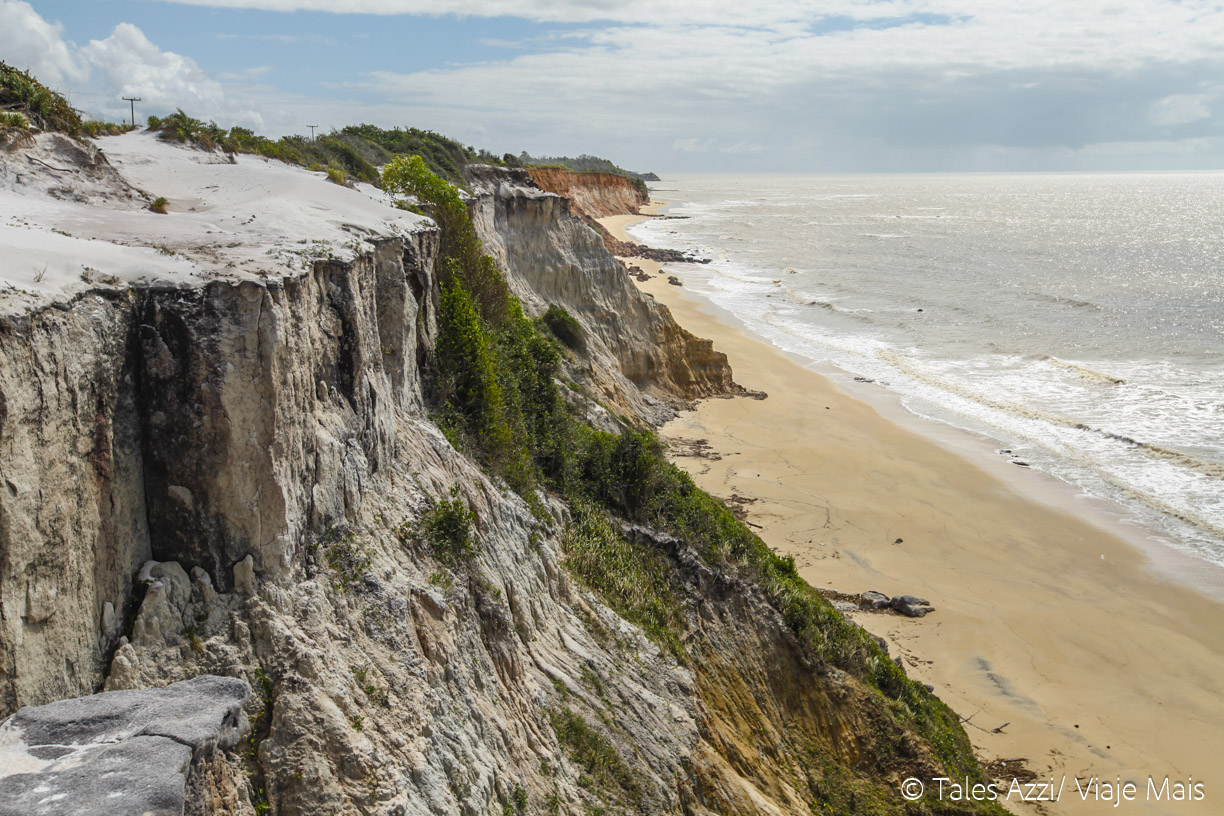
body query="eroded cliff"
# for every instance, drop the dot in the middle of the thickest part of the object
(596, 195)
(552, 256)
(231, 478)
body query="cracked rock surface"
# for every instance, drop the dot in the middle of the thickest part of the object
(119, 751)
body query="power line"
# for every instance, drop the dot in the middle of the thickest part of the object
(312, 130)
(133, 100)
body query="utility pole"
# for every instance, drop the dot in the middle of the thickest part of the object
(312, 130)
(133, 100)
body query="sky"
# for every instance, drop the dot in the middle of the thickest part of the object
(670, 86)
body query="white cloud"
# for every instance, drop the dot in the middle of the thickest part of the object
(1179, 109)
(130, 65)
(29, 42)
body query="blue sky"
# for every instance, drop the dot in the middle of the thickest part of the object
(808, 85)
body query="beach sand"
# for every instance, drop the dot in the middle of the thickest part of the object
(1051, 634)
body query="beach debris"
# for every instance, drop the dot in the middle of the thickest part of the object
(695, 448)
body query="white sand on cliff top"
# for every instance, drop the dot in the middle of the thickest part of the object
(252, 219)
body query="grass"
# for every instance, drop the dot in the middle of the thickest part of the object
(159, 205)
(336, 175)
(448, 528)
(632, 579)
(596, 755)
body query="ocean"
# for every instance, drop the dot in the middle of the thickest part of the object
(1075, 320)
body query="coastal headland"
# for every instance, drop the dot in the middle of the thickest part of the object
(1051, 636)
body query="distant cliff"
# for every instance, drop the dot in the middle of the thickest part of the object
(596, 195)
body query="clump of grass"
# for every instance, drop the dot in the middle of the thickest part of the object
(565, 327)
(596, 755)
(159, 205)
(14, 120)
(336, 176)
(448, 528)
(631, 578)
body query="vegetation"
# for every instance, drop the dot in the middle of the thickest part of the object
(564, 327)
(159, 205)
(38, 104)
(596, 755)
(631, 578)
(14, 120)
(448, 528)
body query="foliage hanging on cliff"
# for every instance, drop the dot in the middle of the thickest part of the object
(493, 380)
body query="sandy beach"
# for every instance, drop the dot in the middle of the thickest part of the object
(1052, 635)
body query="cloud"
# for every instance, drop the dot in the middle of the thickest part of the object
(29, 42)
(126, 63)
(129, 64)
(1180, 109)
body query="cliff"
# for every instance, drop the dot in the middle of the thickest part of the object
(224, 469)
(595, 195)
(637, 356)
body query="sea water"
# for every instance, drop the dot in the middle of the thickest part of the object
(1076, 320)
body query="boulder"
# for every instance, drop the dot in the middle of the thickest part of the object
(875, 600)
(118, 752)
(910, 606)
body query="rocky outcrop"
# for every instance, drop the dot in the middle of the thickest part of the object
(156, 752)
(596, 195)
(552, 256)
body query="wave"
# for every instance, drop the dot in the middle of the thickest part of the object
(1090, 374)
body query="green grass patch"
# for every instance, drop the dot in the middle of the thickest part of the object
(597, 756)
(632, 579)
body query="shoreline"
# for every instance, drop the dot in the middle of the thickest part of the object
(1049, 618)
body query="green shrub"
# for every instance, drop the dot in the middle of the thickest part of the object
(44, 108)
(153, 122)
(159, 205)
(337, 176)
(565, 327)
(448, 527)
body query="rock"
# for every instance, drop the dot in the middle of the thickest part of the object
(118, 752)
(875, 600)
(244, 576)
(674, 281)
(911, 607)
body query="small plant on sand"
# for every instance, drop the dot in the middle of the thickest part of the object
(14, 120)
(159, 205)
(337, 176)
